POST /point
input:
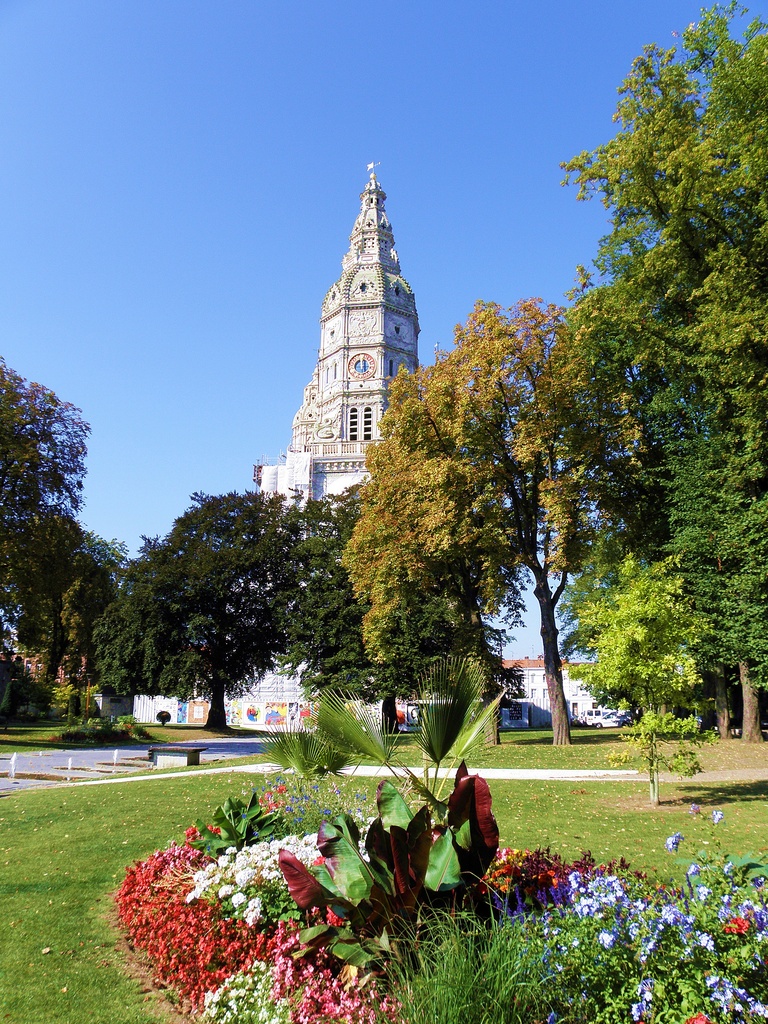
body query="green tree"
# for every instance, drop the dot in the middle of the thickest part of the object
(678, 316)
(62, 595)
(203, 610)
(325, 640)
(324, 628)
(483, 475)
(643, 632)
(720, 534)
(42, 465)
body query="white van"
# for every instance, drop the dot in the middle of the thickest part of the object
(603, 718)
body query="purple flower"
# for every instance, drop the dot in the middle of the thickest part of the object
(705, 941)
(695, 809)
(674, 841)
(637, 1011)
(645, 990)
(694, 869)
(717, 817)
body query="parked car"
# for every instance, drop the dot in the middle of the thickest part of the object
(605, 718)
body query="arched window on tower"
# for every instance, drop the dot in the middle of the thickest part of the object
(367, 423)
(353, 425)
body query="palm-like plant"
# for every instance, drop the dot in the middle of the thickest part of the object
(309, 753)
(452, 725)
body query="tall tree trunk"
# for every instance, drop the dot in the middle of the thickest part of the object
(493, 728)
(217, 715)
(389, 713)
(721, 702)
(553, 666)
(750, 722)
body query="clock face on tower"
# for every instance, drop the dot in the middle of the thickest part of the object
(362, 366)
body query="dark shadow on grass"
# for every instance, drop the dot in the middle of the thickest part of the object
(592, 738)
(716, 793)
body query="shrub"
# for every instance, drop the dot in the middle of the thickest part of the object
(407, 867)
(248, 884)
(237, 824)
(100, 730)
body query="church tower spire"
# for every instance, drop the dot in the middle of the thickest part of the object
(369, 329)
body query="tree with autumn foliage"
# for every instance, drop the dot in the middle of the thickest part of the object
(483, 474)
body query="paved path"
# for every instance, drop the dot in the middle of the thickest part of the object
(35, 769)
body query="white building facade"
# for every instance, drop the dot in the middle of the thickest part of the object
(533, 709)
(369, 330)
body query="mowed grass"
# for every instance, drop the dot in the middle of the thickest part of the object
(590, 749)
(28, 736)
(64, 851)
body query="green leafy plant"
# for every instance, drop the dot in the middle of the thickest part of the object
(664, 742)
(453, 723)
(310, 754)
(408, 865)
(237, 823)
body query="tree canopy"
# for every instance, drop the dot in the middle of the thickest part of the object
(202, 610)
(42, 466)
(676, 321)
(483, 474)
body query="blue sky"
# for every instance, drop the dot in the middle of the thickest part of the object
(179, 178)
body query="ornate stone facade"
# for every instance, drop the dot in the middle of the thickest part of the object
(369, 329)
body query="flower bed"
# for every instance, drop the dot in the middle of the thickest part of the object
(602, 944)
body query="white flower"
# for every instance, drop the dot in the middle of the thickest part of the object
(253, 912)
(226, 890)
(238, 899)
(242, 878)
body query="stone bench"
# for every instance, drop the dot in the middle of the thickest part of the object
(174, 757)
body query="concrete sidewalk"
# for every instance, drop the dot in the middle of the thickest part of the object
(90, 763)
(52, 767)
(367, 771)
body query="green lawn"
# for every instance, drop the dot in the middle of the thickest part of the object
(64, 850)
(532, 748)
(23, 736)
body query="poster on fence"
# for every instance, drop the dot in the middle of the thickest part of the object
(266, 715)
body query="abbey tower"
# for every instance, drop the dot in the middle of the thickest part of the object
(368, 330)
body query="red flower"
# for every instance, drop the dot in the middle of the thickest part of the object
(191, 945)
(737, 926)
(700, 1018)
